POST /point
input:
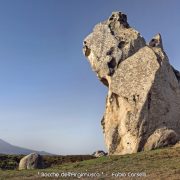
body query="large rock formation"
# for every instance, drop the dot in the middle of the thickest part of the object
(143, 101)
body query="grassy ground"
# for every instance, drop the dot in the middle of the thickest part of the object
(158, 164)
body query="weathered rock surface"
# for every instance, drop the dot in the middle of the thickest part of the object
(99, 153)
(143, 101)
(31, 161)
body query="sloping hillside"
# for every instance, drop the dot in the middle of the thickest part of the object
(157, 164)
(6, 148)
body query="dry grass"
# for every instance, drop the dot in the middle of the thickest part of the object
(158, 164)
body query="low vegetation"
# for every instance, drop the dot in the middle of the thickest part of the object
(156, 164)
(11, 162)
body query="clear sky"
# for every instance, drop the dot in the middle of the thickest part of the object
(49, 97)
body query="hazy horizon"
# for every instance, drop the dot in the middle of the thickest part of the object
(50, 99)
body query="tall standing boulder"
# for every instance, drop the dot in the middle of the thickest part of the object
(31, 161)
(143, 102)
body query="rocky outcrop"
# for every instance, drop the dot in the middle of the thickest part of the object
(31, 161)
(99, 154)
(143, 102)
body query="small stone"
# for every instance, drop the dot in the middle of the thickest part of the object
(99, 153)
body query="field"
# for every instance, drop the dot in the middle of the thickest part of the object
(158, 164)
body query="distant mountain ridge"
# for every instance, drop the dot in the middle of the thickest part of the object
(7, 148)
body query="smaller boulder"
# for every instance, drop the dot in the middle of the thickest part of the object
(161, 138)
(99, 154)
(31, 161)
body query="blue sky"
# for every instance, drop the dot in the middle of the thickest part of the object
(49, 97)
